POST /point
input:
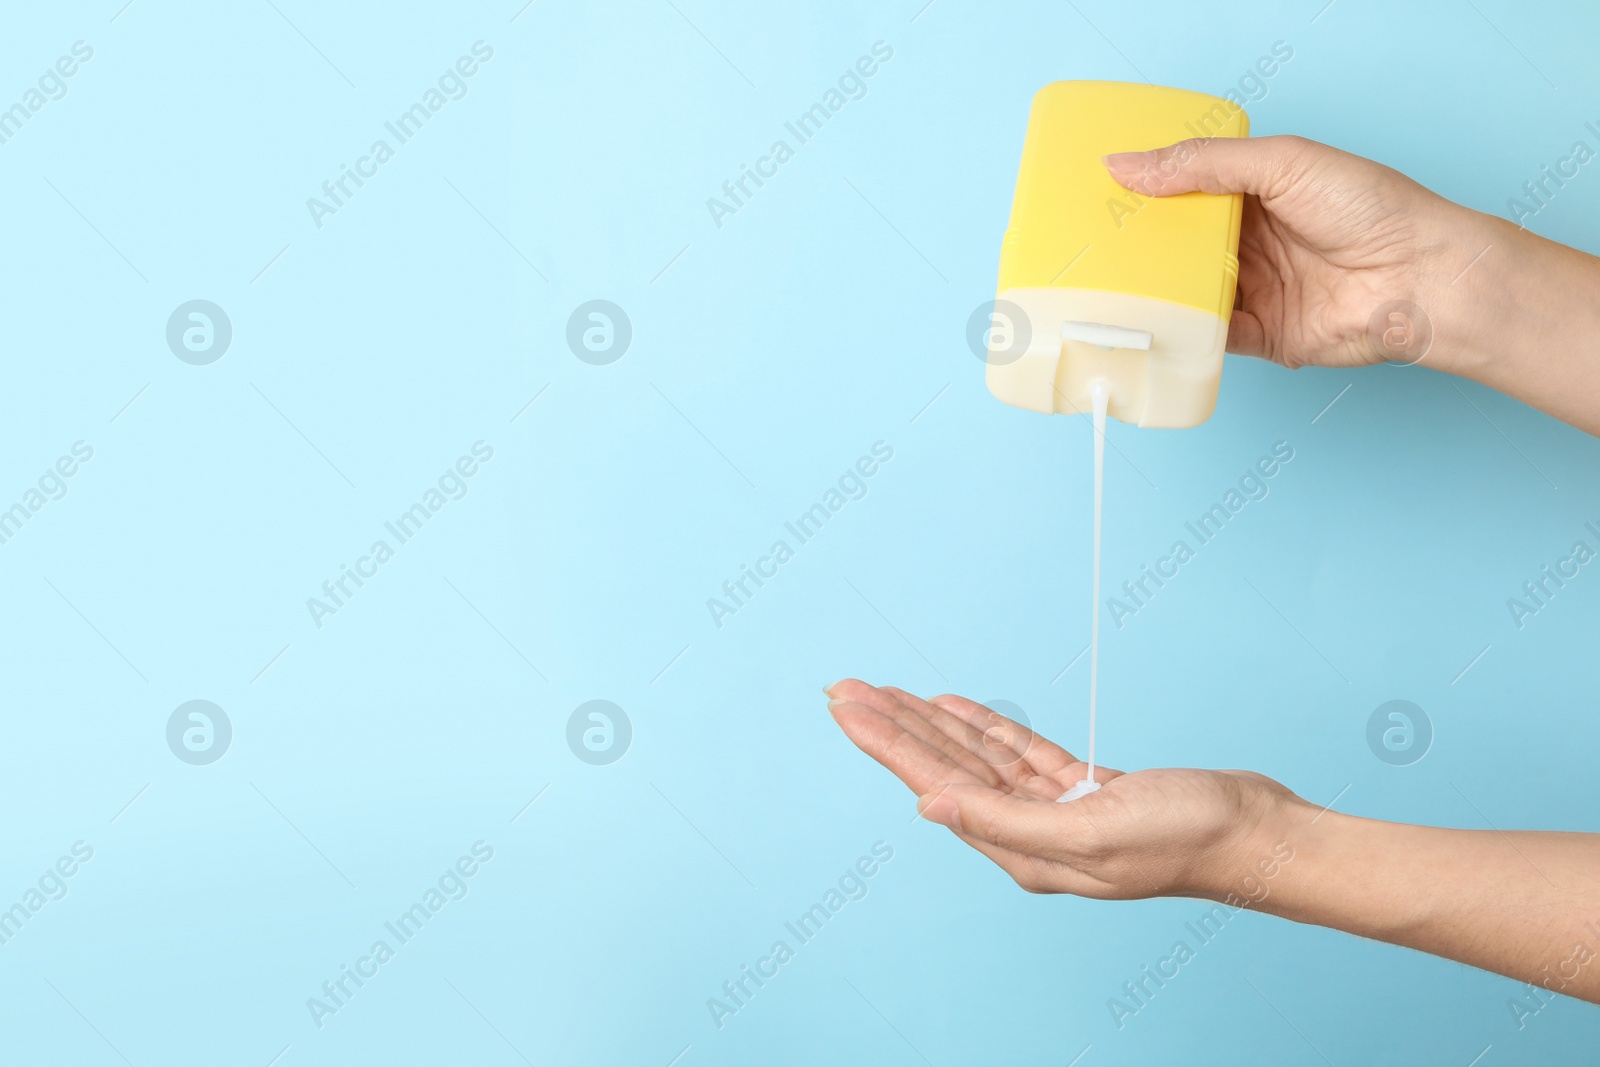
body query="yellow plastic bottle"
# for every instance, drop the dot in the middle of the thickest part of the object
(1101, 283)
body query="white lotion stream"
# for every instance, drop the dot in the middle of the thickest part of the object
(1100, 394)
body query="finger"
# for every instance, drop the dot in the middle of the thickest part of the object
(956, 729)
(887, 705)
(1246, 336)
(1042, 755)
(1029, 827)
(1034, 873)
(922, 768)
(1265, 166)
(944, 814)
(1038, 875)
(991, 745)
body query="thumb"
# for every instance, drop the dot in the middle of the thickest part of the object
(1264, 166)
(1015, 823)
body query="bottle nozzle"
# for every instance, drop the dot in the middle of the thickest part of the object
(1106, 337)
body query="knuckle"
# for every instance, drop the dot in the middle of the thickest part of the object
(1031, 877)
(1096, 853)
(1285, 145)
(901, 748)
(1164, 164)
(996, 830)
(1291, 158)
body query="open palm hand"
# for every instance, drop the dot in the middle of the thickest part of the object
(994, 783)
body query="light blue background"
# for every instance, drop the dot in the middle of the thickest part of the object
(767, 356)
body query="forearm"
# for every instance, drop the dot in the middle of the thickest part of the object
(1521, 904)
(1519, 314)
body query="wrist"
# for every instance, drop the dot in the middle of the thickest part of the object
(1465, 291)
(1359, 875)
(1246, 866)
(1500, 299)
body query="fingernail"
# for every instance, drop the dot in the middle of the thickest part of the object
(834, 702)
(827, 690)
(1120, 159)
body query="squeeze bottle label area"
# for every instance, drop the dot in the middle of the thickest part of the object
(1116, 286)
